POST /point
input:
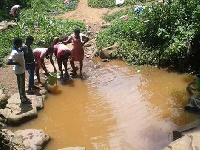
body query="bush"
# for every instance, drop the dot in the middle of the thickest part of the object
(50, 7)
(109, 3)
(163, 32)
(40, 25)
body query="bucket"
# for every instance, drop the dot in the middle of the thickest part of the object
(198, 82)
(52, 78)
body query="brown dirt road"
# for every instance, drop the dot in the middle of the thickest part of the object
(90, 16)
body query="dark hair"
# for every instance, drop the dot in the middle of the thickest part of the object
(17, 41)
(30, 38)
(64, 37)
(77, 30)
(50, 49)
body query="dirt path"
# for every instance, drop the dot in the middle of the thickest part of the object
(90, 16)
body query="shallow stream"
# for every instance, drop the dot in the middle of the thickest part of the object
(118, 107)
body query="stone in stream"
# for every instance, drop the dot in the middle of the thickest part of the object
(16, 113)
(3, 99)
(29, 139)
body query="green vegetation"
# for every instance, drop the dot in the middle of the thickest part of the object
(110, 3)
(51, 7)
(37, 22)
(160, 35)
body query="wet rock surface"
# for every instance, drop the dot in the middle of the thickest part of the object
(190, 140)
(29, 139)
(16, 113)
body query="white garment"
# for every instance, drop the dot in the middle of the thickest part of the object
(17, 56)
(13, 9)
(119, 2)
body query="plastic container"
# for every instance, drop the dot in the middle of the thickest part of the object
(52, 78)
(198, 82)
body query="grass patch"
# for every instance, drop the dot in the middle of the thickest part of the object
(111, 3)
(38, 22)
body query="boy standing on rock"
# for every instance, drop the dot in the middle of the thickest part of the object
(17, 59)
(30, 62)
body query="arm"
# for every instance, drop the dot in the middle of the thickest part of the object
(52, 62)
(10, 62)
(68, 41)
(85, 39)
(43, 66)
(11, 58)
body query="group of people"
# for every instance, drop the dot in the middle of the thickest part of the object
(24, 58)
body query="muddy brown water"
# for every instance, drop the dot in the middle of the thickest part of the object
(118, 107)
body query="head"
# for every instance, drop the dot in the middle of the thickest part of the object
(50, 50)
(17, 42)
(29, 40)
(64, 37)
(55, 40)
(77, 32)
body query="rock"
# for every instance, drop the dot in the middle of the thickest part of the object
(32, 139)
(176, 135)
(44, 92)
(5, 24)
(3, 99)
(190, 140)
(105, 60)
(17, 113)
(191, 88)
(184, 143)
(73, 148)
(108, 51)
(9, 136)
(105, 25)
(29, 139)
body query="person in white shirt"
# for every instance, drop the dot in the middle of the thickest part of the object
(17, 59)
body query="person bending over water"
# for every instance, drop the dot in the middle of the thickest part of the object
(40, 54)
(62, 54)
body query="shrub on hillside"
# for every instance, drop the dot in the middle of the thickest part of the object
(164, 31)
(109, 3)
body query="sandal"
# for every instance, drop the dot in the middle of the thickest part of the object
(25, 100)
(30, 92)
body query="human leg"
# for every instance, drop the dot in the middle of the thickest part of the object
(60, 67)
(81, 66)
(21, 85)
(38, 74)
(65, 65)
(31, 70)
(73, 67)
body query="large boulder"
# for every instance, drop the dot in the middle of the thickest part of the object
(17, 113)
(29, 139)
(32, 139)
(190, 141)
(108, 52)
